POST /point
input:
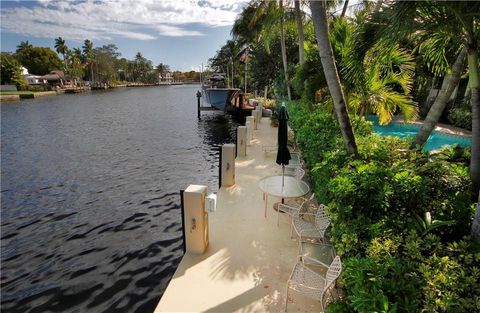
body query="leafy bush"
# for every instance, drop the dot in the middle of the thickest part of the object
(460, 117)
(37, 88)
(309, 77)
(10, 71)
(400, 217)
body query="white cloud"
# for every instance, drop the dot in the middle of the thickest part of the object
(175, 31)
(103, 20)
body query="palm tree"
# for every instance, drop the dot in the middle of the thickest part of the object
(23, 46)
(162, 69)
(476, 221)
(263, 20)
(457, 19)
(77, 53)
(319, 18)
(247, 29)
(284, 49)
(450, 82)
(89, 55)
(386, 89)
(61, 48)
(344, 10)
(377, 76)
(298, 15)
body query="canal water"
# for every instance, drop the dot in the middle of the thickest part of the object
(90, 216)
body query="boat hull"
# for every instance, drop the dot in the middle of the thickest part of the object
(220, 98)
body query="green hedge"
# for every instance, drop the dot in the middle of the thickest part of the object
(400, 218)
(461, 117)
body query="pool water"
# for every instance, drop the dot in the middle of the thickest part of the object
(436, 140)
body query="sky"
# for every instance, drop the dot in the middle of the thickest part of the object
(181, 33)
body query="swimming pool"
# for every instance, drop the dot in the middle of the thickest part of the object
(436, 140)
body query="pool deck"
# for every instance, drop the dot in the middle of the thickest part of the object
(443, 128)
(249, 260)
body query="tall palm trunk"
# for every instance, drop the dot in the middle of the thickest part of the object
(476, 221)
(320, 23)
(474, 75)
(344, 10)
(65, 61)
(91, 72)
(449, 84)
(284, 51)
(378, 5)
(301, 50)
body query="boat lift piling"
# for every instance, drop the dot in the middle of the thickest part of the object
(199, 95)
(201, 108)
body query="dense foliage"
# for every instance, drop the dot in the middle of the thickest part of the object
(39, 60)
(400, 218)
(101, 64)
(461, 117)
(11, 72)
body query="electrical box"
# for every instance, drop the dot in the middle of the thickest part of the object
(211, 203)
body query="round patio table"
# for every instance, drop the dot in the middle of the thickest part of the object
(292, 188)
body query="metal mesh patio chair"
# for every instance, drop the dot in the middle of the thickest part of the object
(312, 284)
(291, 208)
(307, 229)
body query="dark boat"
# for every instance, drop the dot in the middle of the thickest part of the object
(217, 94)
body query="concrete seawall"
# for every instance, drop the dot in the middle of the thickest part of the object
(9, 97)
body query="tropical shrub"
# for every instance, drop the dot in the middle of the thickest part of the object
(37, 88)
(309, 77)
(460, 117)
(400, 217)
(11, 72)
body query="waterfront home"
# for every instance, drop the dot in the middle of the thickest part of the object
(56, 78)
(32, 79)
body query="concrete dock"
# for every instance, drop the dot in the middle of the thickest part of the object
(249, 259)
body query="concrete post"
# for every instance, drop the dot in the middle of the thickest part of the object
(228, 165)
(249, 130)
(195, 219)
(257, 117)
(241, 141)
(251, 119)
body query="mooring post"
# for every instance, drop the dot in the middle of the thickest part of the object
(228, 165)
(182, 211)
(251, 119)
(220, 168)
(241, 141)
(248, 125)
(199, 95)
(195, 219)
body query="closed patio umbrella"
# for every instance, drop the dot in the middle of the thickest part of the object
(283, 155)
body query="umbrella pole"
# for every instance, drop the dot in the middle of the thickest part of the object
(283, 180)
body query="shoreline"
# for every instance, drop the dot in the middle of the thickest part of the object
(440, 127)
(20, 95)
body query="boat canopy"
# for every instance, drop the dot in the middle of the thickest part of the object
(218, 76)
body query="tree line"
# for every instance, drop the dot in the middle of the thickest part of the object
(102, 64)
